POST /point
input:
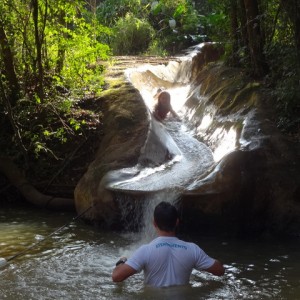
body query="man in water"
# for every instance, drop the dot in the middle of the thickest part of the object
(167, 260)
(163, 106)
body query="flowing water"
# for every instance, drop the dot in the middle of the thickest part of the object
(77, 261)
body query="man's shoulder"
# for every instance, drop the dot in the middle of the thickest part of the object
(172, 240)
(189, 245)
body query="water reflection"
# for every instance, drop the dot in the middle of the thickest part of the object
(77, 263)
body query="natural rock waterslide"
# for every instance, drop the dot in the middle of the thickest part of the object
(225, 159)
(171, 158)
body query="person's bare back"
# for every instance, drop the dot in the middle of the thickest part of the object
(163, 106)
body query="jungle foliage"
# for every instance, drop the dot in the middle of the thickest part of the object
(155, 16)
(48, 61)
(52, 54)
(263, 38)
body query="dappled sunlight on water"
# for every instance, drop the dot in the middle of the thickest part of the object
(77, 262)
(205, 123)
(225, 141)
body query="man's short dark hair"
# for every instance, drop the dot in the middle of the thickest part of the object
(165, 216)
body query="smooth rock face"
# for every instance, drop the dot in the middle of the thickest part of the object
(254, 188)
(234, 172)
(126, 127)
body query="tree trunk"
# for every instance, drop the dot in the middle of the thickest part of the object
(9, 67)
(234, 32)
(258, 62)
(61, 51)
(243, 25)
(297, 37)
(38, 45)
(30, 193)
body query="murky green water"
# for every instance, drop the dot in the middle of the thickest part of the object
(76, 263)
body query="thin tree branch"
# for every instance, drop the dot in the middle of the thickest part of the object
(12, 121)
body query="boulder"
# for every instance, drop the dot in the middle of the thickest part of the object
(250, 183)
(125, 131)
(254, 188)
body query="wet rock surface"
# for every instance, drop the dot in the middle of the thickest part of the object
(250, 183)
(253, 189)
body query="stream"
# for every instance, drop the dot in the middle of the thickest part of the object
(76, 262)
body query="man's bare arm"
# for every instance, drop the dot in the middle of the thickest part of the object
(172, 111)
(121, 272)
(216, 269)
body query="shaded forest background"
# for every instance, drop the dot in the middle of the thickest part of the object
(53, 56)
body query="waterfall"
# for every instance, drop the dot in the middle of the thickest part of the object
(148, 231)
(142, 218)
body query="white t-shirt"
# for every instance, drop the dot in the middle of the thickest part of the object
(169, 261)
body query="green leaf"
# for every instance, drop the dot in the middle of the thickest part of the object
(180, 10)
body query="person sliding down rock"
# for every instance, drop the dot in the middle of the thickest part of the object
(163, 106)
